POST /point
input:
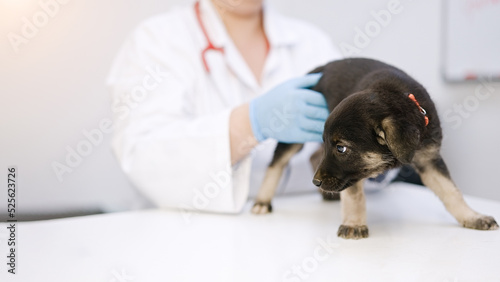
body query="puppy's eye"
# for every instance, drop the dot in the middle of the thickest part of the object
(341, 149)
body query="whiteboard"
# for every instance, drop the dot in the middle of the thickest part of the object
(471, 39)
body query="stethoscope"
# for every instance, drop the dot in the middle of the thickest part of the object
(210, 45)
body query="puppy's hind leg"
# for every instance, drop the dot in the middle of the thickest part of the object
(282, 155)
(352, 201)
(435, 175)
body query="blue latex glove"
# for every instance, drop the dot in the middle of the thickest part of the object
(290, 113)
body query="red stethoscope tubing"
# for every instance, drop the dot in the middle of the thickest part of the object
(210, 45)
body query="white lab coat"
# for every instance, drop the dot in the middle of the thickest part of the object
(171, 117)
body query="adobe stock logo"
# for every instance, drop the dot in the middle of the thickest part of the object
(122, 107)
(456, 115)
(219, 181)
(31, 26)
(363, 37)
(322, 252)
(121, 276)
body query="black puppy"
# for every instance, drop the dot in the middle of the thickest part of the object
(380, 118)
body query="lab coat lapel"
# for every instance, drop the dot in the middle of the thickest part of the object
(281, 38)
(240, 68)
(279, 35)
(216, 61)
(219, 75)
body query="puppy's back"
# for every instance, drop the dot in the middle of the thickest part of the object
(345, 76)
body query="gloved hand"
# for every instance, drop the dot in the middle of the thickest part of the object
(290, 113)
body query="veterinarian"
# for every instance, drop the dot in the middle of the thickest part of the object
(201, 95)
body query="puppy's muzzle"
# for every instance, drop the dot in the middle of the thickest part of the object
(331, 184)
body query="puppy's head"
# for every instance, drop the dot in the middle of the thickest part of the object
(363, 137)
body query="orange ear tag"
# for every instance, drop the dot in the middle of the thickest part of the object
(412, 97)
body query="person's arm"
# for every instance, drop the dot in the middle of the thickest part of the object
(242, 140)
(290, 113)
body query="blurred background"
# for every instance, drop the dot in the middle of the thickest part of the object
(55, 57)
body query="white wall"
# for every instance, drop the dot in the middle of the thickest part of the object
(53, 89)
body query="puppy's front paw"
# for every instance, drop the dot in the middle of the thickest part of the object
(353, 232)
(262, 208)
(482, 223)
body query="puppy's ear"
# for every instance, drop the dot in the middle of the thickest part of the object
(402, 139)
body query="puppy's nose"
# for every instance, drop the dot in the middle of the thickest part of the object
(317, 182)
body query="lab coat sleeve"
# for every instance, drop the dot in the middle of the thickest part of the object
(176, 158)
